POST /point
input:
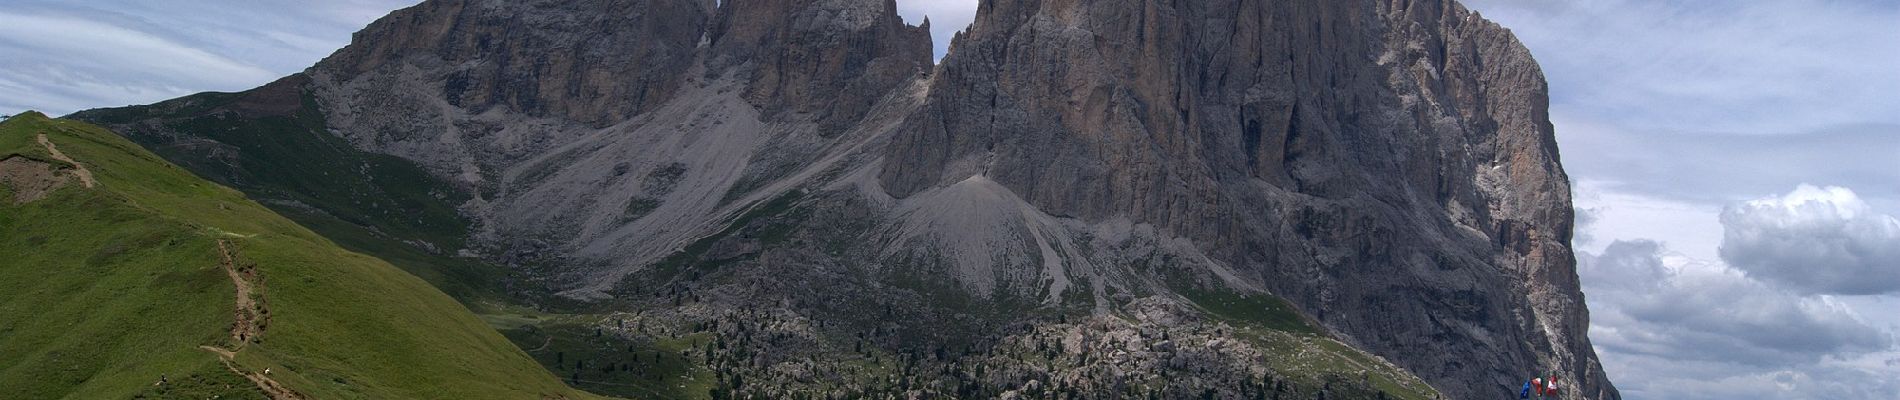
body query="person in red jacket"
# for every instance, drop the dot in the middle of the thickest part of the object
(1550, 386)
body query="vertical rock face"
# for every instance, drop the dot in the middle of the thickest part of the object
(1385, 166)
(596, 62)
(824, 60)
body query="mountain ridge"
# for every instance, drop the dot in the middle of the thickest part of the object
(151, 283)
(1387, 167)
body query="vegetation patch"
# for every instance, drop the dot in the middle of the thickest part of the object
(692, 256)
(585, 356)
(639, 207)
(292, 162)
(116, 291)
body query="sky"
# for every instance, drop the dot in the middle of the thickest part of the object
(1737, 174)
(1736, 163)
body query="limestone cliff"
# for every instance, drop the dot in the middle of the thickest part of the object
(1387, 167)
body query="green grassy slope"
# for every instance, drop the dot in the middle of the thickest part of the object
(104, 290)
(271, 143)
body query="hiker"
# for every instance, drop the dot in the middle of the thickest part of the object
(1525, 393)
(1550, 386)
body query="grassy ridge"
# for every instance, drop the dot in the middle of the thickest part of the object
(273, 144)
(104, 290)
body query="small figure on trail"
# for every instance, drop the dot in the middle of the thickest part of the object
(1525, 393)
(1537, 386)
(1550, 386)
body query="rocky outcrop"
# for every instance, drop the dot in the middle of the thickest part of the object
(1386, 166)
(827, 60)
(596, 62)
(1350, 156)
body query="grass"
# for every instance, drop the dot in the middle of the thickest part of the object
(1257, 309)
(368, 203)
(213, 383)
(1310, 361)
(1297, 349)
(575, 350)
(107, 289)
(1260, 310)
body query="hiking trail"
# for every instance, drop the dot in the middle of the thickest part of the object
(85, 175)
(250, 320)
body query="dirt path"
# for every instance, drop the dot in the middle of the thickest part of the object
(85, 175)
(250, 320)
(249, 314)
(276, 391)
(544, 344)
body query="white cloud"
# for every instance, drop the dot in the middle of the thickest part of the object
(1672, 326)
(1815, 239)
(63, 56)
(1580, 232)
(1665, 378)
(93, 46)
(1692, 228)
(1649, 301)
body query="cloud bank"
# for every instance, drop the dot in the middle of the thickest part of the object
(1670, 326)
(1654, 303)
(1816, 240)
(63, 56)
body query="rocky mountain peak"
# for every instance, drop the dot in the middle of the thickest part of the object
(1303, 141)
(1386, 167)
(827, 60)
(591, 61)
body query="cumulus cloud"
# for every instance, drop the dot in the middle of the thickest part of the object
(1671, 326)
(1580, 234)
(1816, 240)
(1651, 302)
(1665, 378)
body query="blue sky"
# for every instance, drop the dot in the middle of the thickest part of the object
(1737, 163)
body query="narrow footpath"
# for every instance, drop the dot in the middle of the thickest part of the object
(250, 319)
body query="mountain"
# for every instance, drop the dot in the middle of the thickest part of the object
(128, 277)
(1171, 198)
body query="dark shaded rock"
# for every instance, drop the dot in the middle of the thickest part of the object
(819, 60)
(596, 61)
